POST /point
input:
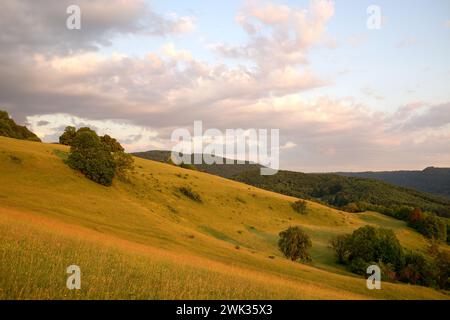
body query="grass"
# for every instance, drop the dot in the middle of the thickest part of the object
(141, 240)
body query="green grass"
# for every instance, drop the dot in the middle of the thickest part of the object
(144, 240)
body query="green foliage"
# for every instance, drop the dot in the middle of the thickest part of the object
(111, 144)
(416, 270)
(428, 224)
(442, 269)
(300, 206)
(99, 158)
(295, 243)
(339, 246)
(348, 193)
(367, 245)
(191, 194)
(88, 155)
(68, 135)
(8, 128)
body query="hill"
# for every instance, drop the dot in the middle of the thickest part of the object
(333, 189)
(432, 180)
(8, 128)
(143, 239)
(225, 170)
(340, 191)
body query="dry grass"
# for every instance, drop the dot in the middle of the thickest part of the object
(143, 240)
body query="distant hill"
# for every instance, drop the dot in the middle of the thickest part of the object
(340, 191)
(432, 180)
(223, 170)
(332, 189)
(8, 128)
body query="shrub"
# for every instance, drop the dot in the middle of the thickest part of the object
(67, 137)
(359, 266)
(191, 194)
(416, 270)
(339, 246)
(295, 243)
(300, 206)
(88, 155)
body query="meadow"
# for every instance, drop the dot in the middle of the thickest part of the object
(144, 239)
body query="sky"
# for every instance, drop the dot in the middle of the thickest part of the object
(344, 96)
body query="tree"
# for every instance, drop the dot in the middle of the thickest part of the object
(442, 266)
(389, 250)
(8, 128)
(416, 270)
(111, 144)
(339, 246)
(362, 244)
(67, 137)
(295, 243)
(300, 206)
(88, 155)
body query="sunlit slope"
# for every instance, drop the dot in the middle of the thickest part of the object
(144, 239)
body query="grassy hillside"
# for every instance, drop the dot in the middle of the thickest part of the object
(432, 180)
(222, 169)
(334, 189)
(144, 239)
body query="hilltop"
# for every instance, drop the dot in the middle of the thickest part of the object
(431, 179)
(144, 239)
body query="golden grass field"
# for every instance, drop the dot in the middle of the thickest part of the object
(143, 239)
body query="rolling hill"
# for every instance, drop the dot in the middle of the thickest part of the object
(333, 189)
(431, 179)
(143, 239)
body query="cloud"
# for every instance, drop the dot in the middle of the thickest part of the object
(51, 79)
(40, 26)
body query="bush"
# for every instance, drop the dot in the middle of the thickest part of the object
(191, 194)
(88, 155)
(300, 206)
(295, 243)
(359, 266)
(416, 270)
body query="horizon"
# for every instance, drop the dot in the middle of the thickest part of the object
(347, 96)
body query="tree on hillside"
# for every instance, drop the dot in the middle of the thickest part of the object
(99, 158)
(67, 137)
(111, 144)
(8, 128)
(295, 243)
(339, 246)
(89, 156)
